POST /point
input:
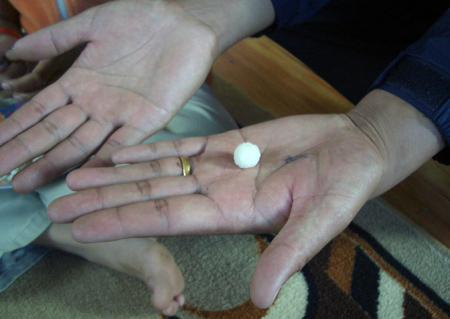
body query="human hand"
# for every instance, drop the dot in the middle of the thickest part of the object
(10, 70)
(44, 73)
(315, 173)
(127, 83)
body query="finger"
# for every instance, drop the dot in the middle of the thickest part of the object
(23, 97)
(40, 138)
(26, 83)
(13, 71)
(171, 310)
(74, 205)
(299, 241)
(95, 177)
(126, 135)
(163, 293)
(31, 113)
(151, 151)
(70, 152)
(53, 40)
(179, 215)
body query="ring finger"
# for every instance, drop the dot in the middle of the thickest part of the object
(95, 177)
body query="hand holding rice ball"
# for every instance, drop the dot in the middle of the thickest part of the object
(246, 155)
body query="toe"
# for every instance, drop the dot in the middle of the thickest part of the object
(180, 299)
(162, 291)
(164, 278)
(171, 310)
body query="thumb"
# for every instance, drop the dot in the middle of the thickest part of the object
(301, 238)
(53, 40)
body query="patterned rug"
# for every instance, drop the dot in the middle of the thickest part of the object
(381, 266)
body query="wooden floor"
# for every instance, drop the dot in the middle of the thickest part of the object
(257, 80)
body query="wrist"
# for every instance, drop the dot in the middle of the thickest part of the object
(404, 138)
(232, 20)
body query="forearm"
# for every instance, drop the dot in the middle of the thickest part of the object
(405, 138)
(231, 20)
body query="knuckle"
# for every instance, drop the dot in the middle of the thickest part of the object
(77, 144)
(197, 185)
(38, 108)
(13, 119)
(177, 145)
(23, 145)
(155, 168)
(152, 148)
(299, 257)
(162, 208)
(145, 189)
(55, 43)
(51, 129)
(99, 198)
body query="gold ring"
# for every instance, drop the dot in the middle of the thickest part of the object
(185, 165)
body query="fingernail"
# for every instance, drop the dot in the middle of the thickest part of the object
(9, 52)
(181, 300)
(19, 97)
(276, 295)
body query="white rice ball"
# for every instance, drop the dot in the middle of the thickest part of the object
(246, 155)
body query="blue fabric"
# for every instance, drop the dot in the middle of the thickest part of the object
(62, 8)
(7, 110)
(15, 263)
(421, 75)
(291, 12)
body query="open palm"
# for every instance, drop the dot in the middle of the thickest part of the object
(128, 82)
(314, 175)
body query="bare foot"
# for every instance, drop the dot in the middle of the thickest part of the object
(142, 258)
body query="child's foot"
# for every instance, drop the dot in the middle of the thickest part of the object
(141, 258)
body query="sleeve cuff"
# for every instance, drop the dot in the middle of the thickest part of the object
(421, 76)
(424, 86)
